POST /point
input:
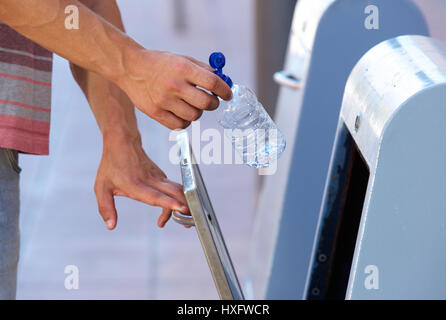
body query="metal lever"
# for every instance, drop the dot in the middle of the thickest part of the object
(182, 219)
(286, 79)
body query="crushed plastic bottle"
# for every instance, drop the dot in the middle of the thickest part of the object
(253, 133)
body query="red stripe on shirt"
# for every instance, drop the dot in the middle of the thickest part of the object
(23, 124)
(5, 75)
(14, 103)
(24, 135)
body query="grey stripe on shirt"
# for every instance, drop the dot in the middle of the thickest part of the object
(25, 93)
(22, 71)
(26, 113)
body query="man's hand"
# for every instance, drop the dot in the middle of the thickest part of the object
(167, 86)
(162, 85)
(125, 170)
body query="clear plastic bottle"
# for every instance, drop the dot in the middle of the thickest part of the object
(253, 133)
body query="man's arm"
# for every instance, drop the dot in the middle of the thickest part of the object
(101, 93)
(125, 168)
(96, 45)
(160, 84)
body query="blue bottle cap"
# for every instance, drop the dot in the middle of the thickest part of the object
(217, 61)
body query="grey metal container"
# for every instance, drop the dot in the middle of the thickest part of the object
(328, 38)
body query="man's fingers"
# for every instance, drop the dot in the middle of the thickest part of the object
(153, 197)
(170, 120)
(198, 98)
(106, 205)
(185, 111)
(173, 190)
(210, 81)
(164, 217)
(200, 63)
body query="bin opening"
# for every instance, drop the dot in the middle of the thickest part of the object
(348, 225)
(341, 216)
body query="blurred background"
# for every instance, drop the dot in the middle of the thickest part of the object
(60, 224)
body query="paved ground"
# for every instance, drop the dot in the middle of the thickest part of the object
(60, 225)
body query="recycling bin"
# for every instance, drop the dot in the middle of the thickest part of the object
(327, 39)
(382, 226)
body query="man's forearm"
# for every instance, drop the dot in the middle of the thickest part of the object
(113, 110)
(169, 88)
(108, 10)
(97, 45)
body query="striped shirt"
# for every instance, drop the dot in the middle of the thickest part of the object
(25, 93)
